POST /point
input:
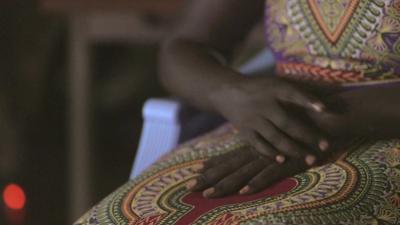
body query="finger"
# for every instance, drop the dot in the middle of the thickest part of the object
(214, 174)
(233, 182)
(244, 151)
(332, 124)
(294, 96)
(271, 175)
(259, 143)
(289, 147)
(217, 160)
(299, 131)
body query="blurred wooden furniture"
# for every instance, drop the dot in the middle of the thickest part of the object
(93, 21)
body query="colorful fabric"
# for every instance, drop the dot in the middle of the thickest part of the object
(362, 188)
(336, 41)
(351, 41)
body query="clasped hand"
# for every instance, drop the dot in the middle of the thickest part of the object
(288, 130)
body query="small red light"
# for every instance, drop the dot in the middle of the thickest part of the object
(14, 196)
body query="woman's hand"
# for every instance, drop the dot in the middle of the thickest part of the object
(258, 107)
(243, 171)
(370, 112)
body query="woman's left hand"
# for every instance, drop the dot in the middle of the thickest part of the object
(241, 171)
(371, 112)
(246, 172)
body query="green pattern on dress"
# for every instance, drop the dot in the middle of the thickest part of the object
(323, 37)
(360, 189)
(347, 35)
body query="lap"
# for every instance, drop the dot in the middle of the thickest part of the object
(360, 188)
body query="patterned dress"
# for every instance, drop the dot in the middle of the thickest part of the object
(347, 42)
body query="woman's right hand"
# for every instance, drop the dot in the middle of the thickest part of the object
(258, 108)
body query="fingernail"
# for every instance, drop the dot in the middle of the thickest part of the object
(317, 107)
(191, 184)
(280, 159)
(310, 160)
(197, 168)
(207, 193)
(323, 145)
(244, 190)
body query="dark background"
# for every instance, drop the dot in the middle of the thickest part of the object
(34, 110)
(34, 102)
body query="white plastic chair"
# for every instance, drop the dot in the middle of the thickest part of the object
(166, 122)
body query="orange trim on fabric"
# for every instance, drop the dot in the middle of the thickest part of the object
(333, 37)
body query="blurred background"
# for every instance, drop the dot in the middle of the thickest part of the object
(74, 75)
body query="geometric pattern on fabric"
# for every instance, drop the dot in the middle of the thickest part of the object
(336, 41)
(311, 73)
(317, 74)
(352, 36)
(362, 187)
(345, 40)
(333, 16)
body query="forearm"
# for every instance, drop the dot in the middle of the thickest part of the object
(382, 108)
(188, 68)
(192, 72)
(374, 111)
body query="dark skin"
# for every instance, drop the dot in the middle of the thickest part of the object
(290, 126)
(249, 173)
